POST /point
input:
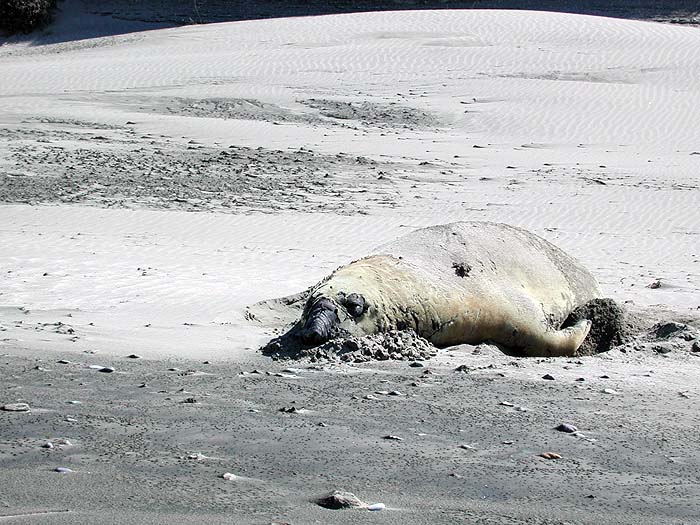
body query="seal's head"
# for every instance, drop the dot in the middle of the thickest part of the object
(324, 315)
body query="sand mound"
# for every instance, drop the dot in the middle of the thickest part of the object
(611, 325)
(396, 344)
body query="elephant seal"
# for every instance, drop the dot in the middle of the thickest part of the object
(464, 282)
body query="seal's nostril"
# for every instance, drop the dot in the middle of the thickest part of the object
(312, 337)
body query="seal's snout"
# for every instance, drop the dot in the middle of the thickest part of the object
(320, 322)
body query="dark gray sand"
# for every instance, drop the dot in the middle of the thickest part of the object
(74, 162)
(468, 447)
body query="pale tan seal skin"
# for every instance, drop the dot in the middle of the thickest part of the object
(469, 282)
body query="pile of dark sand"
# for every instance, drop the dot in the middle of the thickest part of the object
(612, 325)
(399, 345)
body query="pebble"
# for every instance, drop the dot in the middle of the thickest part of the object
(610, 391)
(695, 347)
(467, 447)
(548, 377)
(63, 362)
(74, 402)
(133, 356)
(229, 477)
(339, 499)
(416, 364)
(63, 470)
(48, 444)
(106, 369)
(394, 438)
(566, 427)
(63, 442)
(197, 457)
(376, 506)
(549, 455)
(16, 407)
(71, 420)
(506, 404)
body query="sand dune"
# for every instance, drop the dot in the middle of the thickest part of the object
(155, 183)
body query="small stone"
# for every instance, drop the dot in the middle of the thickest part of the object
(322, 424)
(416, 364)
(548, 377)
(506, 404)
(580, 379)
(106, 369)
(508, 442)
(229, 477)
(190, 400)
(695, 347)
(71, 420)
(197, 457)
(467, 447)
(654, 284)
(391, 437)
(63, 470)
(73, 402)
(610, 391)
(339, 499)
(394, 393)
(63, 362)
(63, 442)
(48, 444)
(549, 455)
(133, 356)
(376, 506)
(566, 427)
(16, 407)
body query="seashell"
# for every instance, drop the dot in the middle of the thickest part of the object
(16, 407)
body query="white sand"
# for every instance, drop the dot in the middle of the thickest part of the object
(587, 127)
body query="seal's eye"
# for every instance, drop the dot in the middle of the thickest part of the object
(355, 304)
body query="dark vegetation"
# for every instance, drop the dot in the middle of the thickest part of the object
(24, 16)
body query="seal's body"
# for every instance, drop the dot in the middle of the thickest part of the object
(466, 282)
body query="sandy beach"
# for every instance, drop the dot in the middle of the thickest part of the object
(156, 181)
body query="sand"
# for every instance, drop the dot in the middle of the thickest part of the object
(157, 181)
